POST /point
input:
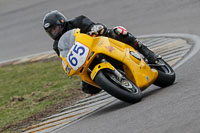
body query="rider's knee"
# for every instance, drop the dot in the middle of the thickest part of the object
(121, 34)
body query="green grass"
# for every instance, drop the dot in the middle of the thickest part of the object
(41, 84)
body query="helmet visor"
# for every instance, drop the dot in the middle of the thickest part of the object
(54, 31)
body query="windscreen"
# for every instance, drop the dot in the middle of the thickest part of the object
(66, 42)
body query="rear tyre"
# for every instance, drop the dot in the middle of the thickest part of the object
(166, 75)
(130, 94)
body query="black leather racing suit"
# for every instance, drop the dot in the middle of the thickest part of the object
(85, 25)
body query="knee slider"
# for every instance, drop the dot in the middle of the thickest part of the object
(119, 30)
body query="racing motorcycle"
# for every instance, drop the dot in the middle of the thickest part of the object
(111, 65)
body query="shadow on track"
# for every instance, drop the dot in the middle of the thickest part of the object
(154, 90)
(117, 105)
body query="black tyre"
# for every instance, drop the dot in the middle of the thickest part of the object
(130, 95)
(166, 75)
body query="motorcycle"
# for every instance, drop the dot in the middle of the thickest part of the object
(111, 65)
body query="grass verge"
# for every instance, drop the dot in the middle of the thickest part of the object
(27, 90)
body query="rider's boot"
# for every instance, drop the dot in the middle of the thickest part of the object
(89, 89)
(148, 54)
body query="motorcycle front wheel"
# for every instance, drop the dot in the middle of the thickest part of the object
(124, 90)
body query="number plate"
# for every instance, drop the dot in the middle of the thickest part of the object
(77, 55)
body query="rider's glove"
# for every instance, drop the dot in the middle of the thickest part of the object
(98, 29)
(120, 30)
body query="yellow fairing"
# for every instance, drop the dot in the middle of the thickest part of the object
(135, 68)
(100, 67)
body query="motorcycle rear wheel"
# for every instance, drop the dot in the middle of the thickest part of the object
(114, 89)
(166, 75)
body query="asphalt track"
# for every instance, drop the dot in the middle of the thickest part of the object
(163, 110)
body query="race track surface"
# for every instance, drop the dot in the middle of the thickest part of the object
(174, 109)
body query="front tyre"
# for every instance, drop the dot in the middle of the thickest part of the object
(127, 92)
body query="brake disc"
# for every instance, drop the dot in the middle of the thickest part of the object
(124, 82)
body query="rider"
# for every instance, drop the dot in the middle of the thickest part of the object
(56, 24)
